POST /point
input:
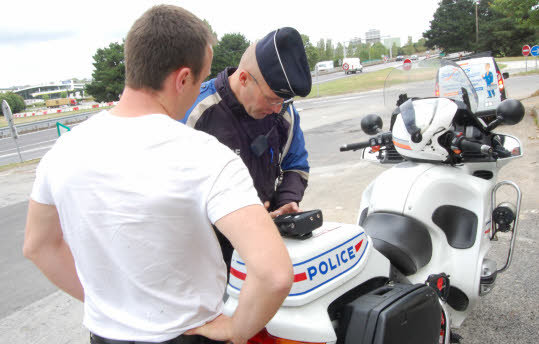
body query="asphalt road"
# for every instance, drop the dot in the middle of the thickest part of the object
(21, 282)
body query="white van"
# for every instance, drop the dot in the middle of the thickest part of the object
(351, 65)
(487, 80)
(324, 66)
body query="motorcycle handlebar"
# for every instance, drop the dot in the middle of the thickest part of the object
(474, 147)
(355, 146)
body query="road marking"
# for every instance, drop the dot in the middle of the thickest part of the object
(25, 146)
(26, 151)
(32, 133)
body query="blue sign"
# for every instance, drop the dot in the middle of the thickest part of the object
(535, 50)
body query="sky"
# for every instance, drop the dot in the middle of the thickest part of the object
(54, 40)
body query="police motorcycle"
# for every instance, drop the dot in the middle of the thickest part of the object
(416, 263)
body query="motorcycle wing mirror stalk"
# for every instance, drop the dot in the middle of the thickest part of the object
(371, 124)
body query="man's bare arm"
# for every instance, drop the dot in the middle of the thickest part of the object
(269, 274)
(45, 246)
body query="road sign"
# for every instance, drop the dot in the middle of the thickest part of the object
(407, 64)
(345, 66)
(9, 118)
(6, 110)
(535, 50)
(526, 50)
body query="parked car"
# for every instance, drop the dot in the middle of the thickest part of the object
(399, 58)
(352, 65)
(488, 80)
(413, 57)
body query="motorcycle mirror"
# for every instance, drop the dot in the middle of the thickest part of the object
(371, 124)
(511, 110)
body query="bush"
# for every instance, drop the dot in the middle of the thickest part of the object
(16, 102)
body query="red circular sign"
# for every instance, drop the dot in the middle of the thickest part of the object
(345, 66)
(407, 64)
(526, 50)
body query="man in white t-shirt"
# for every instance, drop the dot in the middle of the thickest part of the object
(122, 207)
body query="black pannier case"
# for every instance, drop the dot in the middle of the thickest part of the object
(398, 313)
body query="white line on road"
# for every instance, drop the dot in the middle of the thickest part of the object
(32, 133)
(28, 145)
(26, 151)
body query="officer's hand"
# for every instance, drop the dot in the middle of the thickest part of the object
(220, 329)
(289, 208)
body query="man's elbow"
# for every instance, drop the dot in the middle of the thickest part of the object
(29, 251)
(282, 278)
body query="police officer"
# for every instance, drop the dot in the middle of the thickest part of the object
(249, 109)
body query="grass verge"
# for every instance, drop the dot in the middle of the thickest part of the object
(357, 83)
(18, 164)
(530, 72)
(511, 58)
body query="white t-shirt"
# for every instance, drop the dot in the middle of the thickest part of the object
(136, 199)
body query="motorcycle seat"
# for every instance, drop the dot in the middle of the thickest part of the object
(403, 240)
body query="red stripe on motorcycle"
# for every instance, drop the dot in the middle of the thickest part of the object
(300, 277)
(238, 274)
(358, 245)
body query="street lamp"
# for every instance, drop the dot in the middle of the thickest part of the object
(476, 26)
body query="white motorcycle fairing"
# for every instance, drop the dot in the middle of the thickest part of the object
(418, 190)
(334, 260)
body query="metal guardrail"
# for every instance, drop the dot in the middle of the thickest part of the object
(47, 123)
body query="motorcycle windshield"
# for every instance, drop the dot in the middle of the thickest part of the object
(430, 78)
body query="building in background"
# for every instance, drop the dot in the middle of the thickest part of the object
(37, 93)
(372, 36)
(355, 41)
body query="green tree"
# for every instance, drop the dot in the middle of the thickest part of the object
(329, 51)
(15, 101)
(506, 25)
(339, 53)
(321, 48)
(377, 50)
(227, 52)
(45, 97)
(352, 50)
(394, 50)
(63, 94)
(109, 73)
(363, 52)
(310, 51)
(524, 13)
(419, 46)
(452, 27)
